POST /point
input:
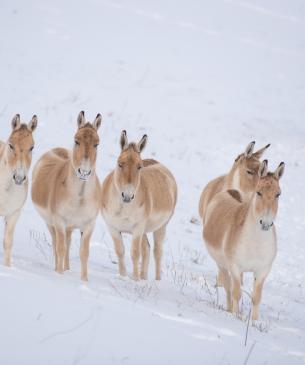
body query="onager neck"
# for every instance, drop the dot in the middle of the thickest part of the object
(232, 178)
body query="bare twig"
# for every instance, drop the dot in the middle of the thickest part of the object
(64, 332)
(249, 353)
(247, 328)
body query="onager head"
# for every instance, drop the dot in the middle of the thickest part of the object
(267, 194)
(19, 148)
(246, 167)
(127, 173)
(86, 141)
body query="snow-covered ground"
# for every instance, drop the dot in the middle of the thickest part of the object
(202, 79)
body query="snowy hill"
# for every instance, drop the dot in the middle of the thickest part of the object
(202, 79)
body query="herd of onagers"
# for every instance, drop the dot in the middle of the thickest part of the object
(138, 197)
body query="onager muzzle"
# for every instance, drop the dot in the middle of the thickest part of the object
(19, 178)
(265, 226)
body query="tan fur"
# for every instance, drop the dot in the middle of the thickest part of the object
(243, 177)
(241, 237)
(15, 161)
(67, 200)
(151, 192)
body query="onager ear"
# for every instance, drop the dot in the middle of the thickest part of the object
(81, 121)
(142, 143)
(263, 169)
(97, 122)
(33, 123)
(249, 150)
(124, 140)
(279, 172)
(16, 122)
(258, 154)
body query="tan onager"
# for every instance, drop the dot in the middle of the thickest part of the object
(243, 177)
(66, 193)
(138, 197)
(15, 161)
(241, 237)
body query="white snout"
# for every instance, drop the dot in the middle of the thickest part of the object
(84, 171)
(266, 221)
(20, 175)
(128, 194)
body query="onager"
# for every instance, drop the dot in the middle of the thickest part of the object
(138, 197)
(243, 177)
(241, 237)
(66, 193)
(15, 161)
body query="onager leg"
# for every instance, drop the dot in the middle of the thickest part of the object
(258, 284)
(145, 257)
(10, 223)
(53, 236)
(158, 245)
(220, 278)
(236, 291)
(60, 248)
(226, 282)
(119, 250)
(68, 245)
(135, 254)
(84, 251)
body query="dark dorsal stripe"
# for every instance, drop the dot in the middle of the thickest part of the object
(235, 194)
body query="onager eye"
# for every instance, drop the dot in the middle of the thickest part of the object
(139, 167)
(250, 172)
(278, 195)
(259, 193)
(31, 149)
(11, 147)
(76, 143)
(96, 145)
(120, 165)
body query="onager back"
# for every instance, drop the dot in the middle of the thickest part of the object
(241, 237)
(243, 177)
(15, 161)
(138, 197)
(66, 193)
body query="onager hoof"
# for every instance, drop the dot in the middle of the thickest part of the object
(135, 277)
(7, 262)
(143, 276)
(122, 272)
(84, 277)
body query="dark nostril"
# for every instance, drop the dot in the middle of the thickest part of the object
(14, 176)
(89, 172)
(123, 195)
(132, 196)
(79, 170)
(261, 222)
(24, 178)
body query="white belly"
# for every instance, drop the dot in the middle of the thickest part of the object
(124, 218)
(78, 217)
